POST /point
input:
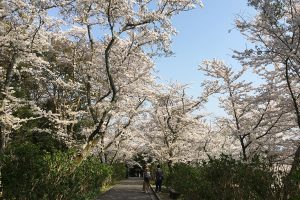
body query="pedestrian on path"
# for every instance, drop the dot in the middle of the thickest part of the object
(159, 176)
(147, 178)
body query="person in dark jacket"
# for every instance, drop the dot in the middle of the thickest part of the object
(159, 176)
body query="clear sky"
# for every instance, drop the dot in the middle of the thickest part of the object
(203, 33)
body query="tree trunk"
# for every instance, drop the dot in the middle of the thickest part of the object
(1, 139)
(170, 163)
(243, 148)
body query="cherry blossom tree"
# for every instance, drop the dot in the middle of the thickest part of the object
(176, 130)
(253, 115)
(85, 65)
(24, 35)
(122, 36)
(275, 33)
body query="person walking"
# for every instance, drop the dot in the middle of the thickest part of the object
(147, 177)
(159, 176)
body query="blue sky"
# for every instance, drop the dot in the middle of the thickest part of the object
(203, 33)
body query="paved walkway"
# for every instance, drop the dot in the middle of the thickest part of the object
(129, 189)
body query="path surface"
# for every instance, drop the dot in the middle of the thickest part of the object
(129, 189)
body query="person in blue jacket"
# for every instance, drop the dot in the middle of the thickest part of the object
(159, 176)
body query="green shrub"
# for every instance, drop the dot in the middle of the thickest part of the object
(21, 172)
(119, 171)
(293, 182)
(31, 173)
(89, 177)
(225, 178)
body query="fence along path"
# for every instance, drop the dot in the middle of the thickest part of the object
(129, 189)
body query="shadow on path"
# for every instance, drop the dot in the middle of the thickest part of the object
(129, 189)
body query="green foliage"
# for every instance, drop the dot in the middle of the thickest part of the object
(225, 178)
(26, 134)
(85, 182)
(21, 172)
(293, 185)
(29, 172)
(119, 171)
